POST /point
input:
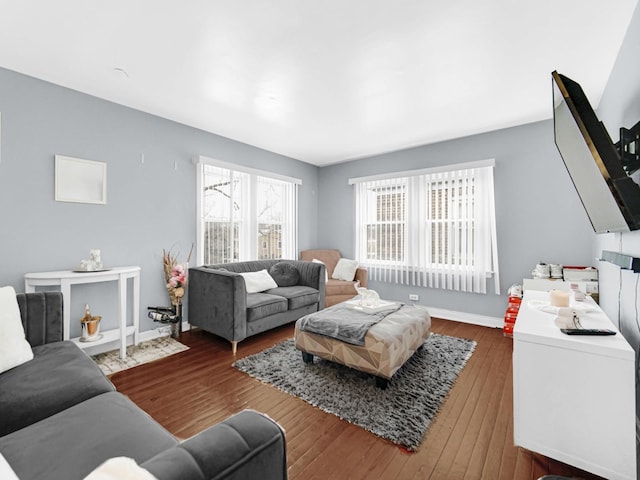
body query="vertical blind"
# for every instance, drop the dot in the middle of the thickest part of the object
(433, 228)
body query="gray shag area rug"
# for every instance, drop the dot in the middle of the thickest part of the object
(401, 414)
(144, 352)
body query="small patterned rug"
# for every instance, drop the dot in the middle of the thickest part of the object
(144, 352)
(402, 413)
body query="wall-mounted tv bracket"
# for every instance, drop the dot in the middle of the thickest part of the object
(629, 148)
(623, 261)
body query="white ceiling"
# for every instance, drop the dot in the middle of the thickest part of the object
(321, 81)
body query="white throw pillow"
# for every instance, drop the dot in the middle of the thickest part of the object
(345, 270)
(6, 472)
(120, 468)
(258, 281)
(14, 348)
(326, 274)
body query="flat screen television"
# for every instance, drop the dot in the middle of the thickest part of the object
(609, 195)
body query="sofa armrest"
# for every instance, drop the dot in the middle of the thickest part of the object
(218, 302)
(41, 314)
(246, 445)
(362, 277)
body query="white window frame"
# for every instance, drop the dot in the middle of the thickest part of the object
(418, 266)
(248, 243)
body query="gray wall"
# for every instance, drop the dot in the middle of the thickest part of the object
(151, 205)
(539, 216)
(620, 107)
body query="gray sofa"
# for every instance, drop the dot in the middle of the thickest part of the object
(61, 418)
(219, 302)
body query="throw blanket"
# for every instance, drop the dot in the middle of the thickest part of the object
(343, 323)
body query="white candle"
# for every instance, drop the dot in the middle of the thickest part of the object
(559, 298)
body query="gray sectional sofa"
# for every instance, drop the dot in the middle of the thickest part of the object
(61, 418)
(219, 302)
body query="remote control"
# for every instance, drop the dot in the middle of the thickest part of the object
(587, 331)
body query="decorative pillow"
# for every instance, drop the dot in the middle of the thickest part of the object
(345, 270)
(326, 274)
(6, 472)
(285, 274)
(120, 468)
(14, 348)
(258, 281)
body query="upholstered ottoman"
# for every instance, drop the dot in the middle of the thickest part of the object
(388, 344)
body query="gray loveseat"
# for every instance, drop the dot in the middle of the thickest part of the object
(61, 418)
(219, 302)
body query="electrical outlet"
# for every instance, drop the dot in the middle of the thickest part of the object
(413, 297)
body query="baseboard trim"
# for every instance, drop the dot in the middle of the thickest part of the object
(157, 332)
(465, 317)
(150, 335)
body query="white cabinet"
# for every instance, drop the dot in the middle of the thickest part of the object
(574, 396)
(66, 278)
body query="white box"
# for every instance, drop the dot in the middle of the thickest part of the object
(545, 285)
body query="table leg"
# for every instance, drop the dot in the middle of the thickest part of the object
(122, 297)
(65, 288)
(136, 308)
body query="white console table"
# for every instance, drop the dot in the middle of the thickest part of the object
(574, 396)
(65, 279)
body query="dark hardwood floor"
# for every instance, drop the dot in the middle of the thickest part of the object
(471, 437)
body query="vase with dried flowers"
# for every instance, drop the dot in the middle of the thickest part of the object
(175, 275)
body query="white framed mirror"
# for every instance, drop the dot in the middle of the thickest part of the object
(80, 181)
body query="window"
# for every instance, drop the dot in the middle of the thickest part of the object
(431, 227)
(244, 214)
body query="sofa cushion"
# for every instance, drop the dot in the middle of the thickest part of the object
(260, 305)
(14, 348)
(68, 445)
(62, 370)
(258, 281)
(345, 270)
(285, 274)
(297, 296)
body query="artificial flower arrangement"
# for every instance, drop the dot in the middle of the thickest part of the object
(175, 275)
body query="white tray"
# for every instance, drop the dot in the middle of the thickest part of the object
(383, 306)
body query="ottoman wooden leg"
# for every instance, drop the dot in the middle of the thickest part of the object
(382, 383)
(307, 357)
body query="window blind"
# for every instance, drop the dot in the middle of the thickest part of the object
(429, 228)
